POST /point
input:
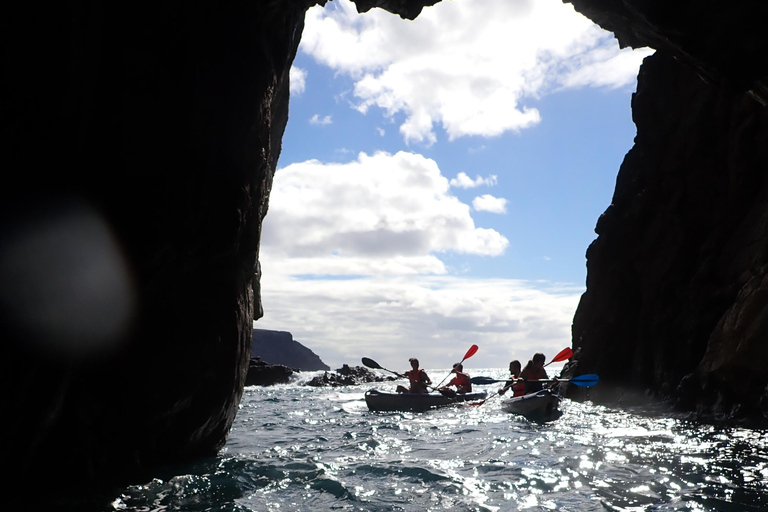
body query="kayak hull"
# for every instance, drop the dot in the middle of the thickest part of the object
(380, 401)
(540, 406)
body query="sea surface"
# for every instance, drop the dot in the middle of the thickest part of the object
(300, 448)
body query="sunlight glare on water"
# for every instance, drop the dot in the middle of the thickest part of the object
(296, 448)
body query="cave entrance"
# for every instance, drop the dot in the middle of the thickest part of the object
(441, 179)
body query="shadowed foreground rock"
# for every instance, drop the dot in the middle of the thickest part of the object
(677, 297)
(139, 143)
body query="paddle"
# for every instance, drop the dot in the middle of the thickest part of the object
(563, 355)
(584, 381)
(370, 363)
(472, 350)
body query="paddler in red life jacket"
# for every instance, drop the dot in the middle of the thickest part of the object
(534, 371)
(514, 383)
(418, 379)
(460, 381)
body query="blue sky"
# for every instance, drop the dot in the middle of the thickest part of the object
(440, 180)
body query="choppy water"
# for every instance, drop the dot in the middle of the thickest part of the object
(297, 448)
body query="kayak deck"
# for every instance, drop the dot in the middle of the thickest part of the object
(540, 406)
(380, 401)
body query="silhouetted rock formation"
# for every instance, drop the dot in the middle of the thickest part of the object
(677, 288)
(261, 373)
(139, 146)
(347, 376)
(279, 347)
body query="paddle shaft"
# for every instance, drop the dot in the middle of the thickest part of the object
(582, 380)
(469, 354)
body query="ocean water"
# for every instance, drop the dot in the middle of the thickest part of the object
(299, 448)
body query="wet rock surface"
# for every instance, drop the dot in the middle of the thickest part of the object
(261, 373)
(348, 376)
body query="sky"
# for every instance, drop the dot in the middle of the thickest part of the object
(440, 180)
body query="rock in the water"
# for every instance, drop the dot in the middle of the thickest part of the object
(347, 376)
(261, 373)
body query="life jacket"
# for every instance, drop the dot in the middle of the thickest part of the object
(518, 388)
(530, 376)
(417, 380)
(462, 382)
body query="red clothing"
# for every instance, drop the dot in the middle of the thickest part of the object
(518, 388)
(531, 375)
(419, 380)
(462, 382)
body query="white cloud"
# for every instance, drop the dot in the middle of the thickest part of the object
(351, 266)
(433, 318)
(472, 67)
(298, 78)
(488, 203)
(320, 121)
(463, 181)
(380, 214)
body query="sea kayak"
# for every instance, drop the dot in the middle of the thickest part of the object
(540, 406)
(379, 401)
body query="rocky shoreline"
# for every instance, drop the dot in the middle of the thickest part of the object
(262, 373)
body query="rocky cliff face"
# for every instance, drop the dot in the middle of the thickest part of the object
(676, 288)
(279, 347)
(141, 143)
(675, 276)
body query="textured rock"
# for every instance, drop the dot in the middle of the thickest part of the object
(347, 376)
(279, 347)
(154, 134)
(675, 304)
(261, 373)
(724, 41)
(141, 141)
(675, 281)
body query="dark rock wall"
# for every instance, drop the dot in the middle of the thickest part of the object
(163, 123)
(676, 304)
(674, 283)
(139, 145)
(724, 41)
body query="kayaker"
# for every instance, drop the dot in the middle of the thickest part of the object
(514, 383)
(534, 371)
(418, 379)
(460, 381)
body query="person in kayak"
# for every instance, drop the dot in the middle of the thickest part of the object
(460, 381)
(534, 371)
(514, 383)
(418, 379)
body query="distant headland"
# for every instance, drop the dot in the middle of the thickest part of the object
(279, 347)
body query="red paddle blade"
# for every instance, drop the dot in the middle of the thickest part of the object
(563, 355)
(470, 352)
